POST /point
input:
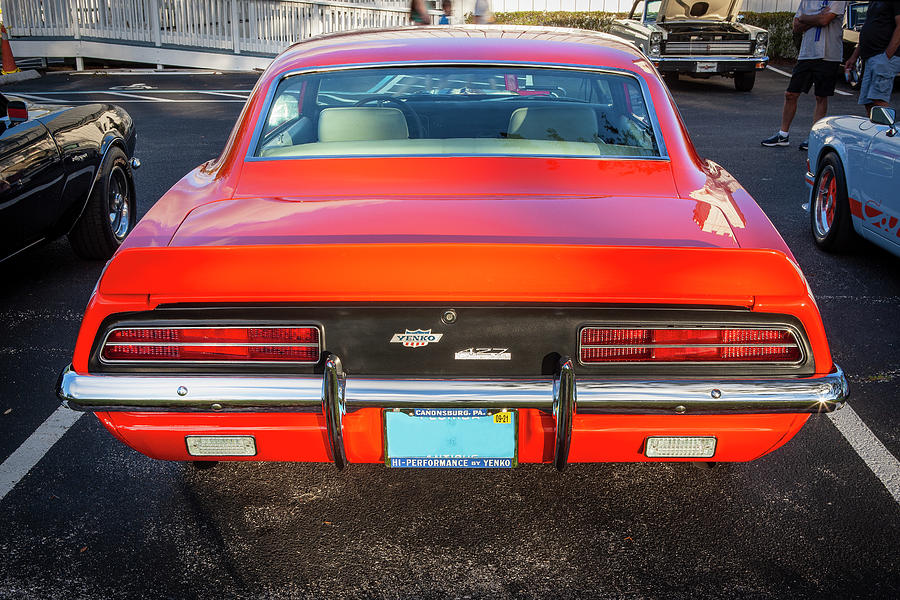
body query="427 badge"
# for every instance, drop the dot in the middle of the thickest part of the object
(483, 354)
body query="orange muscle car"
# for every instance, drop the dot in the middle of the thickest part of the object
(471, 246)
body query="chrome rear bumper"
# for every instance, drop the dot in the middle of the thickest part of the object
(224, 393)
(334, 394)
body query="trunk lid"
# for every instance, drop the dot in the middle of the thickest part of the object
(579, 220)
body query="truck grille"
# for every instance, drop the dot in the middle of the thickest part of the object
(709, 48)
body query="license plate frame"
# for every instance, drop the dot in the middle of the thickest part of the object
(706, 67)
(422, 438)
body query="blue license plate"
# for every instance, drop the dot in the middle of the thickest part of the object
(460, 438)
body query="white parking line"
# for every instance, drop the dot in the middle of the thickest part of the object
(786, 74)
(224, 94)
(145, 96)
(33, 97)
(35, 447)
(779, 71)
(884, 465)
(69, 93)
(123, 94)
(149, 72)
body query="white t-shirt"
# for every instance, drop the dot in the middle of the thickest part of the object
(823, 42)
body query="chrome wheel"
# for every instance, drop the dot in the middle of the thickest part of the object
(826, 202)
(119, 203)
(857, 73)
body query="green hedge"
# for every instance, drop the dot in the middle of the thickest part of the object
(781, 42)
(781, 35)
(595, 20)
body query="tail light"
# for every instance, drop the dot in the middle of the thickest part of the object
(605, 345)
(212, 344)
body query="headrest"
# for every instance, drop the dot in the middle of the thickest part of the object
(362, 123)
(560, 123)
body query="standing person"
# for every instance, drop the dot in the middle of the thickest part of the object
(447, 7)
(879, 41)
(818, 63)
(418, 14)
(482, 12)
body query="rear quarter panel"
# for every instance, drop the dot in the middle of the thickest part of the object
(83, 134)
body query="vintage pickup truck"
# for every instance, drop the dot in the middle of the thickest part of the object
(699, 39)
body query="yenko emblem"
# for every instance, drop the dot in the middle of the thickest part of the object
(416, 338)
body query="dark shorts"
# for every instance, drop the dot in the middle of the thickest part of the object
(822, 73)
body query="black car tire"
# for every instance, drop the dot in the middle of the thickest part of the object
(110, 213)
(670, 77)
(744, 80)
(830, 203)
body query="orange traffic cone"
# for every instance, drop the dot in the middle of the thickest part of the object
(9, 61)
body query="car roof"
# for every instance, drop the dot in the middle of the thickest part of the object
(463, 43)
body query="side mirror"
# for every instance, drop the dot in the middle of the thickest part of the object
(882, 115)
(16, 111)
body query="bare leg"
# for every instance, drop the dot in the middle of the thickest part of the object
(821, 108)
(789, 110)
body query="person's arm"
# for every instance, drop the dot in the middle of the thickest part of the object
(852, 60)
(799, 27)
(892, 46)
(821, 19)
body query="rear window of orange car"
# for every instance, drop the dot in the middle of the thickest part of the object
(453, 110)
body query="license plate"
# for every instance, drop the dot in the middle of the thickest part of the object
(455, 438)
(707, 67)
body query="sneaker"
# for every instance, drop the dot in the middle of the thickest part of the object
(777, 140)
(804, 145)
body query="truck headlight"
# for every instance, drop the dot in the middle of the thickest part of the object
(762, 43)
(655, 47)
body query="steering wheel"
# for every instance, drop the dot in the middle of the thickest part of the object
(413, 121)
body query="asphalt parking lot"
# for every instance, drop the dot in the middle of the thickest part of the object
(94, 519)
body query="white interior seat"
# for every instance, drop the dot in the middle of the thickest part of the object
(362, 123)
(559, 123)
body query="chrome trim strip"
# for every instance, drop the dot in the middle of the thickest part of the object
(564, 400)
(250, 155)
(218, 393)
(710, 58)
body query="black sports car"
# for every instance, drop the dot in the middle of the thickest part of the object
(65, 170)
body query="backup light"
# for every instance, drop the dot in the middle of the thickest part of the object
(680, 447)
(221, 445)
(212, 344)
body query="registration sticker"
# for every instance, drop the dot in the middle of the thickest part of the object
(456, 438)
(707, 67)
(503, 417)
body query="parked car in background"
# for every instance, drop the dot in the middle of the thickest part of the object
(431, 247)
(65, 170)
(699, 39)
(853, 177)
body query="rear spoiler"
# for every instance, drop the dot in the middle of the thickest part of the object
(481, 272)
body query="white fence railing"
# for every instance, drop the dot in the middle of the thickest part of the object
(171, 31)
(616, 6)
(258, 26)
